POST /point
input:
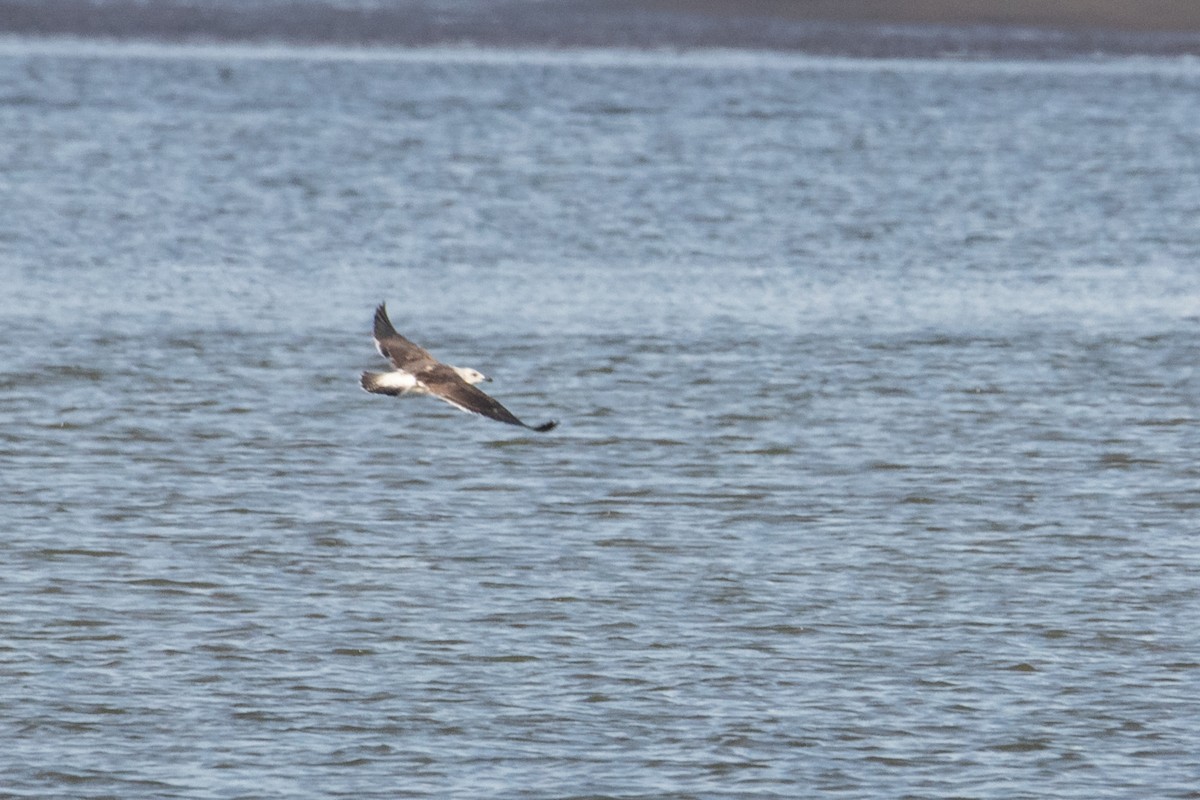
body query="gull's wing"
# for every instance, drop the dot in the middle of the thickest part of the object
(403, 354)
(445, 384)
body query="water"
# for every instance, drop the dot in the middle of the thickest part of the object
(876, 473)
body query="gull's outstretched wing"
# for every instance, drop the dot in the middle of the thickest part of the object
(403, 354)
(445, 384)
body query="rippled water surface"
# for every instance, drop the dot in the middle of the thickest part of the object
(876, 473)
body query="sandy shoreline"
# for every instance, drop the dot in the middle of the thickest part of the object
(864, 28)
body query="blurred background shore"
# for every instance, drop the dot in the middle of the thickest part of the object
(873, 28)
(1149, 15)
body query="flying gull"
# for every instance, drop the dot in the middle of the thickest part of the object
(417, 372)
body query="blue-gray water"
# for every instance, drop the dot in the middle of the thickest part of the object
(877, 468)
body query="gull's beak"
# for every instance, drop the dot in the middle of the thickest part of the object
(487, 378)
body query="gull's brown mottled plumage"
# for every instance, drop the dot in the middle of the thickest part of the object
(418, 372)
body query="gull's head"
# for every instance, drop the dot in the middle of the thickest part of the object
(471, 376)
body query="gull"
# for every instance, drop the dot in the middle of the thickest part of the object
(417, 372)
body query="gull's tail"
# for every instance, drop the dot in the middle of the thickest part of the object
(386, 383)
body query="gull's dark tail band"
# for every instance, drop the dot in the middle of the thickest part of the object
(373, 383)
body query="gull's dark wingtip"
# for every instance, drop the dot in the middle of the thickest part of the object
(545, 426)
(383, 326)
